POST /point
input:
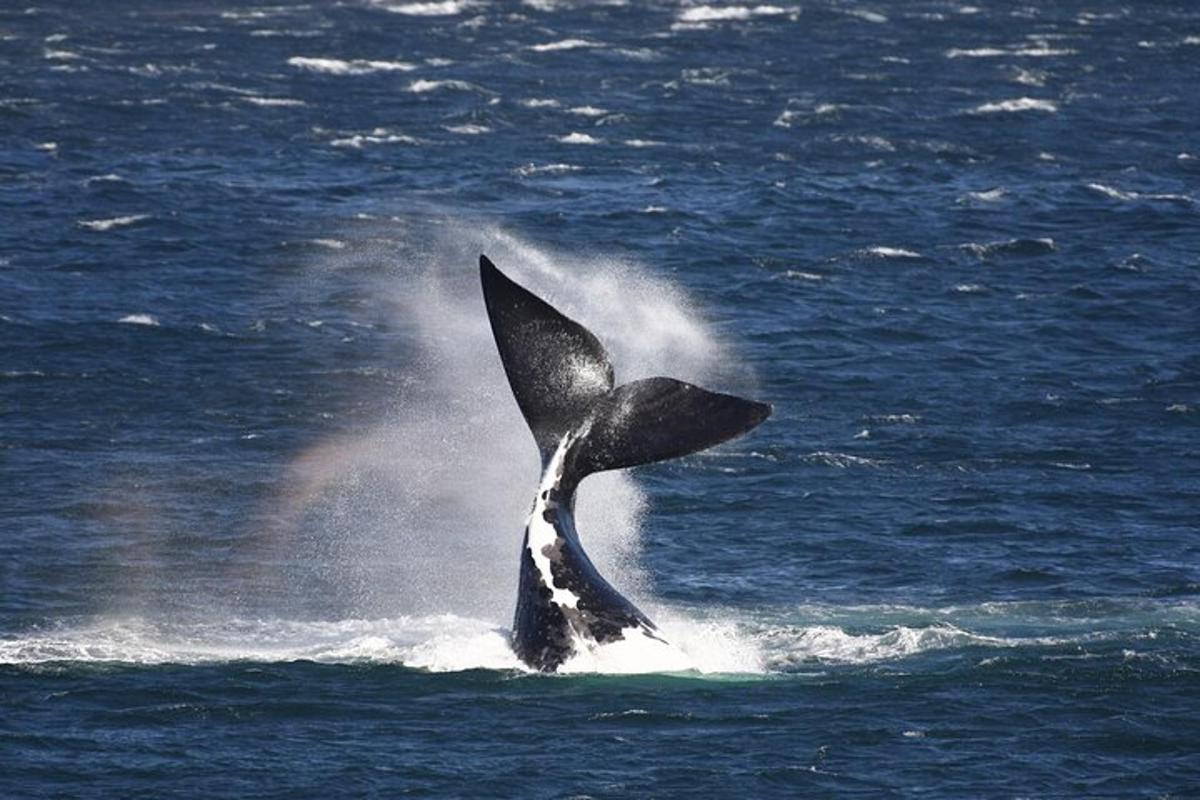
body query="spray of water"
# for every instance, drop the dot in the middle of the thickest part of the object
(422, 512)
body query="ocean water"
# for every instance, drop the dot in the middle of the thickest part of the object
(262, 482)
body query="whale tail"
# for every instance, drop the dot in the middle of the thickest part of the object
(562, 379)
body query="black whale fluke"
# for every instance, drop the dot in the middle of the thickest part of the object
(562, 379)
(556, 367)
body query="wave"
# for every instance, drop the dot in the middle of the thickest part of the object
(546, 169)
(273, 102)
(728, 13)
(1011, 247)
(441, 8)
(337, 66)
(892, 252)
(700, 644)
(565, 44)
(422, 85)
(140, 319)
(1018, 104)
(996, 52)
(102, 225)
(1126, 196)
(579, 138)
(376, 136)
(468, 129)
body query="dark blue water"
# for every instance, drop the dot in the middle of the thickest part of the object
(262, 482)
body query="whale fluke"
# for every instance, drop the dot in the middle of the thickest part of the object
(563, 382)
(562, 379)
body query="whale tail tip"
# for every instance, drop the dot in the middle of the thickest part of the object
(562, 379)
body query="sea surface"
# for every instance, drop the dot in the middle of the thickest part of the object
(263, 483)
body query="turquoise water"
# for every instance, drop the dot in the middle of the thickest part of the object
(264, 482)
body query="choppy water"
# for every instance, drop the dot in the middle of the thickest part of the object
(263, 482)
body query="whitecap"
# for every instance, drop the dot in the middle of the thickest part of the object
(540, 102)
(110, 177)
(1117, 194)
(988, 195)
(565, 44)
(444, 8)
(272, 102)
(468, 129)
(1017, 104)
(296, 34)
(1030, 77)
(1037, 246)
(869, 16)
(1040, 51)
(727, 13)
(873, 142)
(422, 85)
(377, 136)
(337, 66)
(111, 222)
(892, 252)
(642, 143)
(841, 460)
(140, 319)
(784, 120)
(905, 419)
(587, 111)
(970, 288)
(579, 138)
(546, 169)
(831, 644)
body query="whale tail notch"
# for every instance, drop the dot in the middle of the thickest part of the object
(562, 379)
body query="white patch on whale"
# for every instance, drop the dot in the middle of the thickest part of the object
(541, 533)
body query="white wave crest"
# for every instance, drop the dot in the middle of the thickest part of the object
(1118, 194)
(726, 13)
(830, 644)
(892, 252)
(444, 8)
(579, 138)
(450, 643)
(438, 643)
(140, 319)
(1039, 51)
(468, 129)
(376, 136)
(274, 102)
(565, 44)
(422, 85)
(546, 169)
(337, 66)
(112, 222)
(1017, 104)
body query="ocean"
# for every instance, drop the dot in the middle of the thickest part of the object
(263, 482)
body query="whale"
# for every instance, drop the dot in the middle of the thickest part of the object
(582, 423)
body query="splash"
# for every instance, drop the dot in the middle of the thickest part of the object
(421, 512)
